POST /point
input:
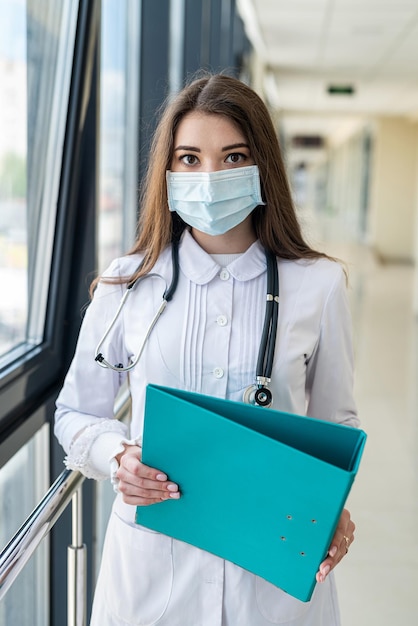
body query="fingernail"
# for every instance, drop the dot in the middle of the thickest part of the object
(161, 477)
(333, 551)
(172, 487)
(325, 571)
(175, 495)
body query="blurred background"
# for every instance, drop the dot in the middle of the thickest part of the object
(80, 86)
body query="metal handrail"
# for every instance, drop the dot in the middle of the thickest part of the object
(77, 568)
(24, 543)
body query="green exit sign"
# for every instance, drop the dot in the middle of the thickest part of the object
(341, 90)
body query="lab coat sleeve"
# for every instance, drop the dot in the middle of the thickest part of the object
(84, 418)
(329, 382)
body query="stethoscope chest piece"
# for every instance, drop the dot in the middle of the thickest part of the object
(258, 396)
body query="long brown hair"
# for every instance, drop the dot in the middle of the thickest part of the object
(275, 224)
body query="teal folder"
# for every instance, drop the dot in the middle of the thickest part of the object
(261, 488)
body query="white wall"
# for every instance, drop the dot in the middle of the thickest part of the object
(394, 189)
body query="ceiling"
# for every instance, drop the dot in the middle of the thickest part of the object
(308, 45)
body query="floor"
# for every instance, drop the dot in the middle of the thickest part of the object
(378, 581)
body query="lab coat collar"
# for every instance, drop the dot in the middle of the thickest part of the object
(200, 268)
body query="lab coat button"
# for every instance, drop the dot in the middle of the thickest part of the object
(224, 275)
(222, 320)
(218, 372)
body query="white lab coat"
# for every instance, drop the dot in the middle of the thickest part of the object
(206, 341)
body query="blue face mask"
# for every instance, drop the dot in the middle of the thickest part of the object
(214, 202)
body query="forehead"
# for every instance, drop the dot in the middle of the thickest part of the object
(207, 127)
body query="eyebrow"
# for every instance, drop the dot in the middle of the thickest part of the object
(191, 148)
(233, 146)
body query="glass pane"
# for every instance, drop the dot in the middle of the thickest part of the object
(119, 101)
(25, 475)
(118, 177)
(36, 51)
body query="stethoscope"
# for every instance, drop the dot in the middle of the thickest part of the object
(258, 393)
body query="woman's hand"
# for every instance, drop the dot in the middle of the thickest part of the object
(142, 485)
(343, 538)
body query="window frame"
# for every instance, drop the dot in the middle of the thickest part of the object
(29, 374)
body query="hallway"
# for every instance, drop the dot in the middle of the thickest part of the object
(378, 583)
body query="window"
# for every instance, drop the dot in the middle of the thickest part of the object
(119, 106)
(27, 475)
(36, 52)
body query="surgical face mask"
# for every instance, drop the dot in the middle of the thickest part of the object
(214, 202)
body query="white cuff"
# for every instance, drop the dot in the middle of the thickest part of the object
(88, 455)
(103, 450)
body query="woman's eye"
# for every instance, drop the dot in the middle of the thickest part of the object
(189, 159)
(236, 157)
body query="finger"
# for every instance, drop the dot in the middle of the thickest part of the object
(135, 491)
(135, 485)
(136, 501)
(133, 465)
(344, 532)
(342, 540)
(324, 570)
(145, 497)
(134, 473)
(331, 561)
(132, 470)
(141, 491)
(141, 484)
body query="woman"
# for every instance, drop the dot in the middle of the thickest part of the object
(216, 184)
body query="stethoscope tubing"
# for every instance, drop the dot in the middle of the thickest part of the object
(257, 393)
(167, 296)
(268, 338)
(119, 367)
